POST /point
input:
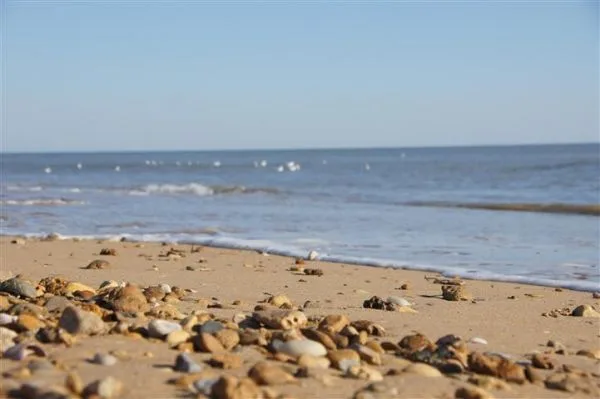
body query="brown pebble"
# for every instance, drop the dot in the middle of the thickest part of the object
(207, 343)
(108, 252)
(264, 373)
(226, 361)
(471, 393)
(542, 362)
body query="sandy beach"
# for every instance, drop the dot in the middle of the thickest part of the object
(510, 340)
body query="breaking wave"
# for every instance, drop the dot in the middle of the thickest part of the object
(197, 189)
(574, 209)
(42, 202)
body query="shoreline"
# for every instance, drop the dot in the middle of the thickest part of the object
(222, 285)
(245, 245)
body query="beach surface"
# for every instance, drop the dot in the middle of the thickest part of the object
(503, 327)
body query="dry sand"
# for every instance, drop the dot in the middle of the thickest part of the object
(508, 316)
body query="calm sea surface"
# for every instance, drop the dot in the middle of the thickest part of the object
(386, 207)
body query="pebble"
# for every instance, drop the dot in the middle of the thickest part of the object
(455, 293)
(74, 383)
(422, 369)
(97, 264)
(585, 311)
(7, 338)
(334, 323)
(264, 373)
(177, 337)
(104, 359)
(185, 364)
(27, 322)
(226, 361)
(399, 301)
(472, 393)
(57, 304)
(592, 354)
(367, 354)
(106, 388)
(320, 337)
(313, 362)
(6, 319)
(281, 319)
(280, 301)
(18, 287)
(229, 387)
(542, 362)
(74, 286)
(211, 327)
(207, 343)
(228, 338)
(129, 299)
(161, 328)
(165, 287)
(204, 386)
(337, 356)
(297, 348)
(76, 321)
(363, 372)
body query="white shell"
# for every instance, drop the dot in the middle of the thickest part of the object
(397, 300)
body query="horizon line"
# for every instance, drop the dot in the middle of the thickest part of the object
(133, 151)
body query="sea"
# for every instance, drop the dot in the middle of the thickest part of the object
(526, 214)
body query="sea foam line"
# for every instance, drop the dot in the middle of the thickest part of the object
(273, 248)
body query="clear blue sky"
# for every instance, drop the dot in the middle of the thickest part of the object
(101, 75)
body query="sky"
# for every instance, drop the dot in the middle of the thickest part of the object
(152, 75)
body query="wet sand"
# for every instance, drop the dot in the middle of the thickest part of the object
(512, 318)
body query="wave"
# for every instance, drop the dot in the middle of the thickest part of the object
(273, 248)
(24, 188)
(42, 202)
(197, 189)
(574, 209)
(557, 166)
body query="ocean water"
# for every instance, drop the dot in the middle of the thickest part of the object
(415, 208)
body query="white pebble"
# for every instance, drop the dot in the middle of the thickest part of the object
(300, 347)
(104, 359)
(398, 301)
(478, 340)
(160, 328)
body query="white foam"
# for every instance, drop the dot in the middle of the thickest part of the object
(79, 166)
(217, 164)
(48, 170)
(42, 202)
(24, 188)
(191, 188)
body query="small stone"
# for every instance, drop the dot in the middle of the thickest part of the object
(363, 372)
(313, 362)
(6, 319)
(320, 337)
(76, 321)
(472, 393)
(542, 362)
(204, 386)
(296, 348)
(585, 311)
(334, 323)
(74, 383)
(280, 301)
(176, 338)
(207, 343)
(337, 356)
(185, 364)
(533, 375)
(97, 265)
(129, 299)
(415, 342)
(7, 338)
(108, 252)
(72, 287)
(228, 338)
(211, 327)
(57, 304)
(264, 373)
(423, 369)
(26, 322)
(455, 293)
(496, 366)
(226, 361)
(367, 354)
(404, 286)
(592, 354)
(161, 328)
(18, 287)
(229, 387)
(104, 359)
(106, 388)
(313, 272)
(281, 319)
